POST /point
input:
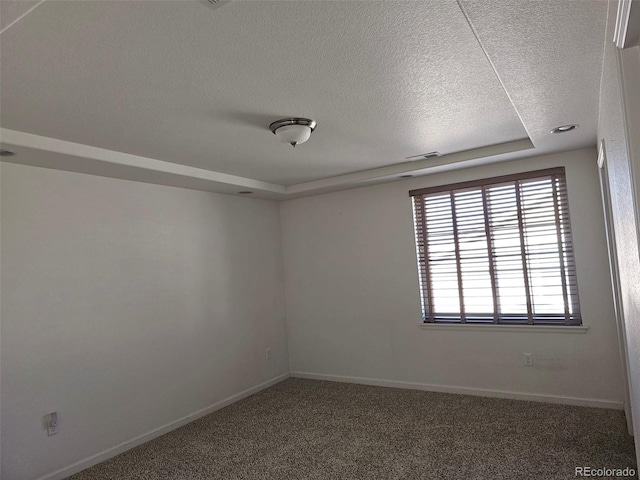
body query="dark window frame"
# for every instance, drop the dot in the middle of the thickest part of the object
(532, 205)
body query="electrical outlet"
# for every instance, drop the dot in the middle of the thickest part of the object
(268, 353)
(52, 424)
(528, 360)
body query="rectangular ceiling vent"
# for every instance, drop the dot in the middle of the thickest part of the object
(424, 155)
(215, 4)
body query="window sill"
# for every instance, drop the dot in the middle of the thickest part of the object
(505, 328)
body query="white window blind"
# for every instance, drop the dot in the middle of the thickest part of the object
(497, 250)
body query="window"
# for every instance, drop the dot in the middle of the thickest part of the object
(497, 251)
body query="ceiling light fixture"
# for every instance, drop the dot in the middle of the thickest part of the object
(564, 128)
(6, 153)
(293, 131)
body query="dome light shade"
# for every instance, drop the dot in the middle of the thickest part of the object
(293, 131)
(293, 134)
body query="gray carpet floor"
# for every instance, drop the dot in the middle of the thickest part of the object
(307, 429)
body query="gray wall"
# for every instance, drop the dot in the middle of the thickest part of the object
(126, 306)
(353, 304)
(612, 128)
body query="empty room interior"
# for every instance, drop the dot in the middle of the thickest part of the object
(308, 239)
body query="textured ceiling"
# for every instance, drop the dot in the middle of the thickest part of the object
(548, 54)
(180, 82)
(12, 11)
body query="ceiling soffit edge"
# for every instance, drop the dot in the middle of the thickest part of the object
(80, 158)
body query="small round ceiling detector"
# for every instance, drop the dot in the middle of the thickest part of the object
(564, 128)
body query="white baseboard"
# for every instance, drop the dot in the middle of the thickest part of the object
(139, 440)
(166, 428)
(531, 397)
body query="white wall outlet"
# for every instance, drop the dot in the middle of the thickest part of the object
(268, 353)
(528, 360)
(52, 424)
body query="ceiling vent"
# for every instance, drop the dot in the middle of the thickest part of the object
(424, 156)
(215, 4)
